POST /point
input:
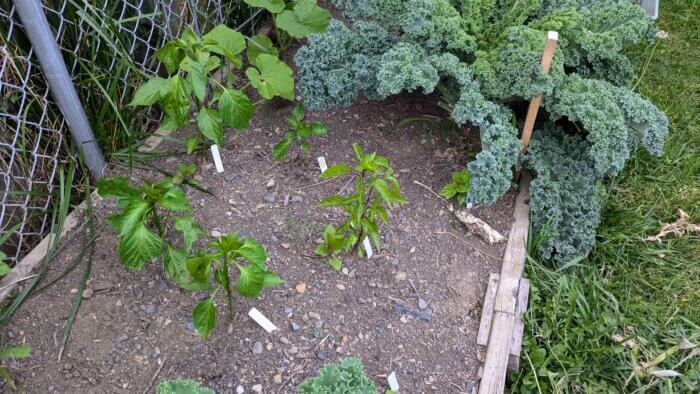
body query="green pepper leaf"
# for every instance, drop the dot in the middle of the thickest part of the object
(149, 92)
(175, 101)
(253, 251)
(190, 230)
(209, 123)
(204, 317)
(271, 279)
(196, 76)
(137, 245)
(171, 54)
(335, 171)
(280, 149)
(251, 280)
(235, 107)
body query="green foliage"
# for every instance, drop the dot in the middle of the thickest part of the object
(376, 191)
(22, 351)
(348, 376)
(298, 18)
(4, 267)
(182, 386)
(145, 213)
(483, 57)
(193, 65)
(459, 187)
(244, 254)
(299, 132)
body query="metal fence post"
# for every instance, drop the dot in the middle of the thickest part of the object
(38, 30)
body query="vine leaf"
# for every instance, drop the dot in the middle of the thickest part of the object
(209, 123)
(306, 18)
(235, 107)
(271, 77)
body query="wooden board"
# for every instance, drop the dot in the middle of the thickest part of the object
(506, 300)
(482, 337)
(519, 329)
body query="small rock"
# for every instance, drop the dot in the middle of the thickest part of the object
(422, 304)
(284, 340)
(119, 303)
(404, 319)
(189, 325)
(301, 287)
(270, 184)
(215, 234)
(295, 326)
(257, 388)
(240, 389)
(150, 309)
(344, 270)
(270, 197)
(198, 178)
(277, 379)
(257, 348)
(293, 349)
(288, 311)
(340, 286)
(400, 276)
(297, 198)
(87, 293)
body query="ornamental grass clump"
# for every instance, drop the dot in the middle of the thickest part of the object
(483, 57)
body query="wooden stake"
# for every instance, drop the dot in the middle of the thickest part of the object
(547, 56)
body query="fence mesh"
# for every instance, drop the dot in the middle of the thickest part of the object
(108, 47)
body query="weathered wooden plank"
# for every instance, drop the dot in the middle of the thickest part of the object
(519, 327)
(482, 337)
(504, 314)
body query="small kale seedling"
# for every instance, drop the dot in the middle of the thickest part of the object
(348, 376)
(145, 213)
(193, 64)
(247, 255)
(300, 132)
(376, 189)
(459, 187)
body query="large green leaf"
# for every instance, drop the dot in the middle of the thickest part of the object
(253, 251)
(117, 187)
(174, 199)
(22, 351)
(132, 216)
(332, 201)
(271, 77)
(229, 41)
(251, 280)
(280, 149)
(306, 18)
(200, 268)
(271, 279)
(274, 6)
(204, 317)
(336, 170)
(138, 245)
(196, 76)
(171, 54)
(209, 123)
(235, 107)
(175, 266)
(149, 92)
(175, 100)
(259, 44)
(4, 268)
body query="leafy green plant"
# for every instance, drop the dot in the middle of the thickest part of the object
(4, 267)
(194, 64)
(459, 187)
(348, 376)
(483, 58)
(22, 351)
(299, 132)
(245, 254)
(145, 214)
(376, 190)
(182, 386)
(297, 18)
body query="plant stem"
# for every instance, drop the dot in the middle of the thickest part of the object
(158, 223)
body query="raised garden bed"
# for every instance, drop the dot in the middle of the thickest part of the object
(134, 327)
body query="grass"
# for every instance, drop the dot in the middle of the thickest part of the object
(632, 301)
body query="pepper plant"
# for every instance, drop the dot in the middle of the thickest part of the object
(246, 255)
(196, 67)
(458, 187)
(297, 18)
(376, 191)
(299, 132)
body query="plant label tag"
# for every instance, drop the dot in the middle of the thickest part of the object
(322, 164)
(217, 158)
(263, 321)
(368, 247)
(393, 382)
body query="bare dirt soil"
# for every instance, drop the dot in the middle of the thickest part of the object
(135, 330)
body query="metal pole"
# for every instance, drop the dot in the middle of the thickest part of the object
(38, 30)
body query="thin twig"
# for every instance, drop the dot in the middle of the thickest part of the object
(466, 242)
(289, 379)
(431, 190)
(17, 281)
(153, 379)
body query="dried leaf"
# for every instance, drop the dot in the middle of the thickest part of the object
(665, 373)
(679, 228)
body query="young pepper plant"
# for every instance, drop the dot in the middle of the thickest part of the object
(459, 186)
(193, 65)
(145, 213)
(299, 132)
(297, 18)
(245, 254)
(376, 191)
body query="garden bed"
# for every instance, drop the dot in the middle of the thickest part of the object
(137, 324)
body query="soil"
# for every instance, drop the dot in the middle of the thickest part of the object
(134, 329)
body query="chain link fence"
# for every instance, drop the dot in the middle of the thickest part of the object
(108, 47)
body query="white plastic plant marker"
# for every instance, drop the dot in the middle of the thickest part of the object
(217, 158)
(393, 382)
(322, 164)
(368, 247)
(553, 35)
(263, 321)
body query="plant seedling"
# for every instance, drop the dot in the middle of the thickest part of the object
(376, 190)
(248, 256)
(299, 132)
(459, 187)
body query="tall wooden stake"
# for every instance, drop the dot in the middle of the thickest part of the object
(547, 55)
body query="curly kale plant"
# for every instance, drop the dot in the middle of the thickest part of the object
(348, 377)
(483, 57)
